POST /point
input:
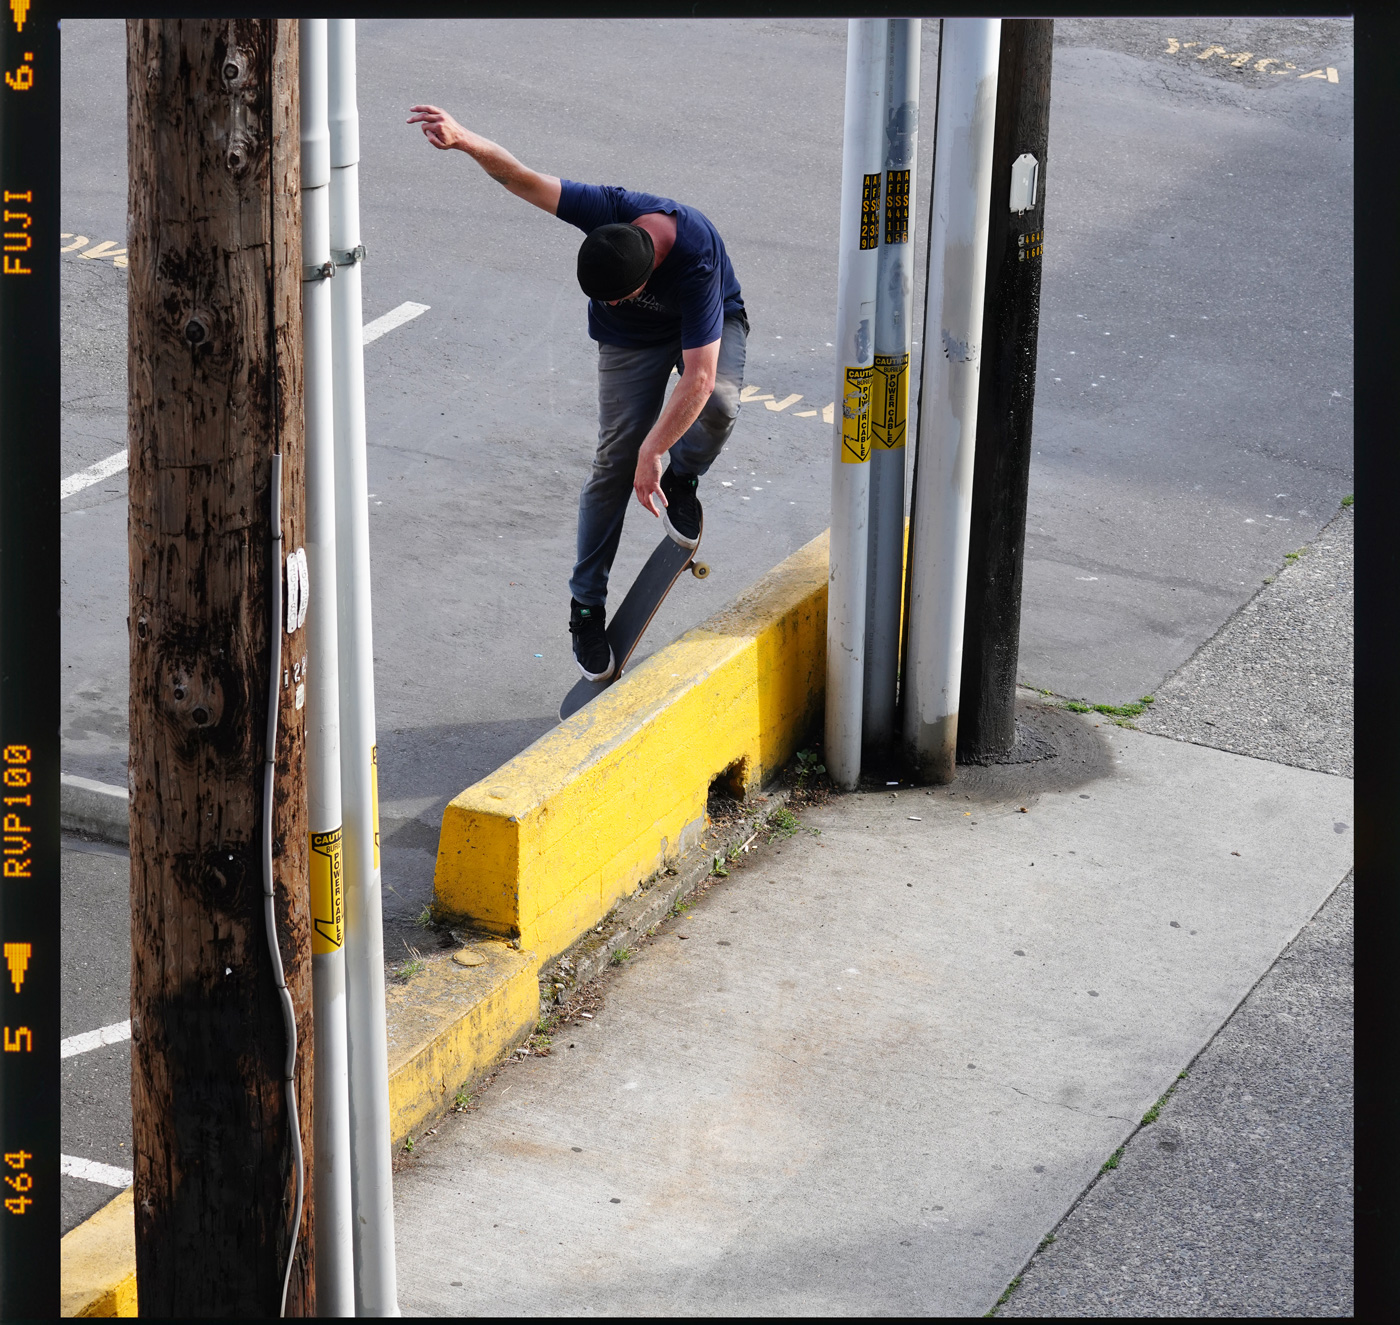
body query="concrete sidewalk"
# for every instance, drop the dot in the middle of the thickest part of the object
(873, 1068)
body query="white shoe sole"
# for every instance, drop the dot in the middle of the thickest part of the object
(600, 676)
(675, 537)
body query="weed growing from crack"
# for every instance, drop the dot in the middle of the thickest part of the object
(1151, 1115)
(808, 766)
(413, 966)
(1348, 499)
(462, 1102)
(425, 917)
(1121, 714)
(620, 955)
(1002, 1300)
(783, 823)
(1112, 1161)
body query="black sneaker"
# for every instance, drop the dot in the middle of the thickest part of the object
(592, 651)
(681, 514)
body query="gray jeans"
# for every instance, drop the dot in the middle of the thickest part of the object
(631, 390)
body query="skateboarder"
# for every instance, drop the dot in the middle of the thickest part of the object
(662, 295)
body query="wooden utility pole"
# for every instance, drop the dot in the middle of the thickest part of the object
(1005, 400)
(214, 390)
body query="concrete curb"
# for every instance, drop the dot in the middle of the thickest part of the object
(94, 809)
(541, 850)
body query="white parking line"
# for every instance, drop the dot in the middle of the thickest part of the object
(85, 478)
(107, 1174)
(81, 1044)
(395, 317)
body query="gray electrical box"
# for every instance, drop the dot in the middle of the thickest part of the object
(1025, 180)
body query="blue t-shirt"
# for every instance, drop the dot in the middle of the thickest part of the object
(692, 290)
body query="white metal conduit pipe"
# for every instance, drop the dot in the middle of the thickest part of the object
(890, 402)
(862, 154)
(335, 1295)
(371, 1174)
(952, 346)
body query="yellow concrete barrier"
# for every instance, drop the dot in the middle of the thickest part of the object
(98, 1260)
(544, 847)
(448, 1025)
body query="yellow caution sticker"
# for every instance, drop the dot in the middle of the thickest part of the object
(327, 893)
(890, 408)
(374, 798)
(855, 416)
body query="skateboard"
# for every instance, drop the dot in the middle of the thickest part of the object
(648, 592)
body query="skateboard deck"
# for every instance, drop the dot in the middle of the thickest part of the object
(625, 629)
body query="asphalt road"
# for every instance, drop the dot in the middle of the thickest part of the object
(1194, 414)
(96, 1123)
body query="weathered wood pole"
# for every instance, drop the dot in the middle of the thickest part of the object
(214, 391)
(1006, 399)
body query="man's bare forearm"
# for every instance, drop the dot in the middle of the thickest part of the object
(682, 409)
(444, 133)
(496, 161)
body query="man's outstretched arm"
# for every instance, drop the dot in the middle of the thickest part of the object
(444, 133)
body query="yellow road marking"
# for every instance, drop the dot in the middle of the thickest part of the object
(780, 405)
(1242, 58)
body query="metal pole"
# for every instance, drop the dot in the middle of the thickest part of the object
(890, 405)
(1006, 396)
(948, 419)
(371, 1174)
(335, 1292)
(861, 156)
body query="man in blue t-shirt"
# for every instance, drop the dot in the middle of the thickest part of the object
(662, 297)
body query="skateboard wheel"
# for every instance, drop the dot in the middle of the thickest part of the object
(699, 569)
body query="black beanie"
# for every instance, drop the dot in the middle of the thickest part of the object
(615, 260)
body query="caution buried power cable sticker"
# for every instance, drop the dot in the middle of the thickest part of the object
(890, 407)
(855, 416)
(327, 893)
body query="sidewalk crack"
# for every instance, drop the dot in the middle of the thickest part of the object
(1056, 1104)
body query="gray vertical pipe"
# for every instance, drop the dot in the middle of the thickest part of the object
(890, 400)
(857, 271)
(371, 1159)
(330, 1164)
(951, 365)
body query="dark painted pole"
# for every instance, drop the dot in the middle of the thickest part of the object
(1006, 396)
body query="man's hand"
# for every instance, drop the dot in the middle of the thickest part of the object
(647, 483)
(439, 128)
(682, 409)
